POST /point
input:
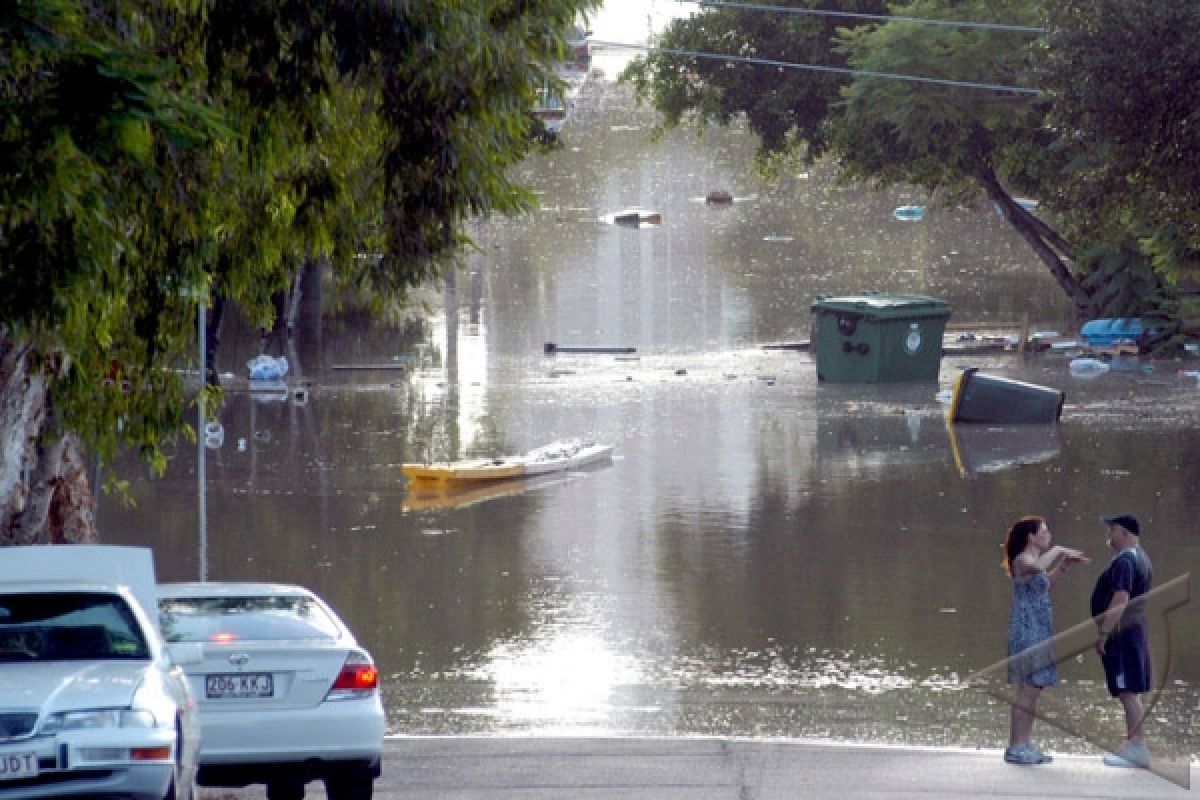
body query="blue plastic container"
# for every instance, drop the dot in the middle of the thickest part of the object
(1106, 332)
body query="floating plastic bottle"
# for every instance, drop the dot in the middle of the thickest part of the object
(1087, 367)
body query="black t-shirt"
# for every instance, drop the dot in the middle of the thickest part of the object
(1130, 571)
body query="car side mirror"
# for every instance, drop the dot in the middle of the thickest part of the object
(184, 653)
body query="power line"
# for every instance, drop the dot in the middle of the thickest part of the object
(994, 87)
(995, 26)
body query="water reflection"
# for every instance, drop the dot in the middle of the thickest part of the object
(980, 449)
(765, 555)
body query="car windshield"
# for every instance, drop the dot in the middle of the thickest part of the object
(68, 626)
(228, 619)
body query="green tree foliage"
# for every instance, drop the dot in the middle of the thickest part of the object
(154, 153)
(955, 139)
(1123, 79)
(940, 136)
(789, 109)
(960, 141)
(98, 137)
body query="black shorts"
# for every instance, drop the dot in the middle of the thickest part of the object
(1127, 662)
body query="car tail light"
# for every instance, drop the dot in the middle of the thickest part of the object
(358, 678)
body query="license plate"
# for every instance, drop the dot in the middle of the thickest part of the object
(14, 766)
(236, 685)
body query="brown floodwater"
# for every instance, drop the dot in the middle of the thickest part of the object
(765, 555)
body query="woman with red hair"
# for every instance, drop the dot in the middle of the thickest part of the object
(1034, 567)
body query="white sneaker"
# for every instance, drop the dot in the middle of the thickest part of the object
(1132, 754)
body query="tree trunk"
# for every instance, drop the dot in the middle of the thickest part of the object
(1054, 251)
(212, 338)
(45, 496)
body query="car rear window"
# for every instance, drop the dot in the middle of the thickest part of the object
(258, 618)
(68, 626)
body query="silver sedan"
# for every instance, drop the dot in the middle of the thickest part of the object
(286, 693)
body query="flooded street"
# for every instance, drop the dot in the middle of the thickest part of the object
(765, 556)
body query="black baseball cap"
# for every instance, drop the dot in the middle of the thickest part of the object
(1126, 521)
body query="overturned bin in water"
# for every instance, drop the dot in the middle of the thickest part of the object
(990, 399)
(875, 337)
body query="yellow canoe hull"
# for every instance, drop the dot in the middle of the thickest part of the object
(459, 473)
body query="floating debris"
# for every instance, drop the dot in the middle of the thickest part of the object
(1126, 330)
(982, 398)
(214, 435)
(909, 213)
(267, 368)
(633, 218)
(1088, 367)
(550, 348)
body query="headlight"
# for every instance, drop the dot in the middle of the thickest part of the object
(97, 718)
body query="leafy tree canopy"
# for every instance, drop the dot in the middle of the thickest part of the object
(1126, 101)
(157, 152)
(1103, 173)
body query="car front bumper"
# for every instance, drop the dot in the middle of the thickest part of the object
(95, 763)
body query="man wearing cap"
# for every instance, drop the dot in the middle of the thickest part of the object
(1121, 633)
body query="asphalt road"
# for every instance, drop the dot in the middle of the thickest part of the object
(466, 768)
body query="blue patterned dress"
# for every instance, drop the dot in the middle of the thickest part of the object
(1030, 630)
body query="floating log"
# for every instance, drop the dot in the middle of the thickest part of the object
(804, 345)
(551, 348)
(987, 344)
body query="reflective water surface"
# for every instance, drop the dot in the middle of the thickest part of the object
(764, 556)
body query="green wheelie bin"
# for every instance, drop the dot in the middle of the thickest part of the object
(875, 338)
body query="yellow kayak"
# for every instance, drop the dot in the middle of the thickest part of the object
(454, 473)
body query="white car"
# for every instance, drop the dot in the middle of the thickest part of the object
(286, 693)
(91, 703)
